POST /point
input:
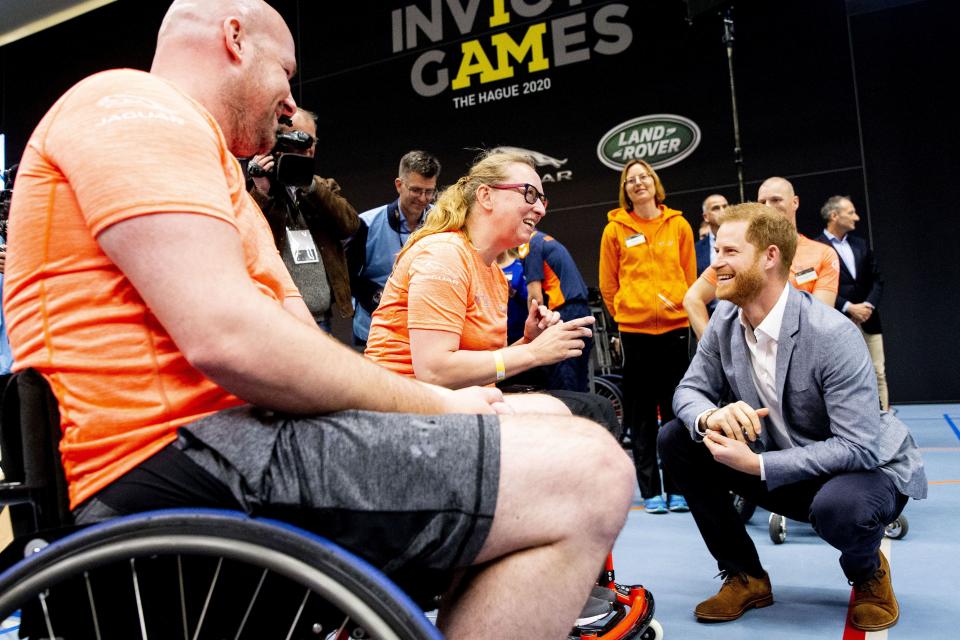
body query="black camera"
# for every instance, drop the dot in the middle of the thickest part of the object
(290, 168)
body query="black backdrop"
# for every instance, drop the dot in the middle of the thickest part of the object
(840, 97)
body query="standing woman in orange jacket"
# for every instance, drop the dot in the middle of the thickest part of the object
(647, 263)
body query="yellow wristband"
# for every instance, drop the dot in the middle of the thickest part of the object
(498, 361)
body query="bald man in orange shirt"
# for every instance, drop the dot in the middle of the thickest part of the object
(815, 268)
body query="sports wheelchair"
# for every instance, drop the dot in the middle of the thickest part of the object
(606, 359)
(198, 573)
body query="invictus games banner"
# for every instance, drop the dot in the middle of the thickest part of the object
(489, 51)
(579, 85)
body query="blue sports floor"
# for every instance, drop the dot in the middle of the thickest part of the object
(666, 554)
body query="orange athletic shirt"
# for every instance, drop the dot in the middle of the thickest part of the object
(821, 258)
(118, 145)
(551, 288)
(440, 283)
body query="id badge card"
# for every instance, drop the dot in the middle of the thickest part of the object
(302, 247)
(805, 275)
(636, 240)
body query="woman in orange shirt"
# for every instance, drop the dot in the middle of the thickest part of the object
(443, 314)
(647, 263)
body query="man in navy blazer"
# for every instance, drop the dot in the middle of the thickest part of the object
(801, 433)
(713, 207)
(860, 282)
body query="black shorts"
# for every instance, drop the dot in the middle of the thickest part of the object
(408, 493)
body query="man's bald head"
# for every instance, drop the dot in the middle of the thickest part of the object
(778, 193)
(235, 57)
(194, 20)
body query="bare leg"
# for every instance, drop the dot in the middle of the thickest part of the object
(539, 403)
(565, 488)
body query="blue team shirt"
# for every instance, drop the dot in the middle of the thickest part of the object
(549, 262)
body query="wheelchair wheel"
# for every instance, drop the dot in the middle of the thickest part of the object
(653, 632)
(897, 529)
(608, 386)
(778, 528)
(203, 573)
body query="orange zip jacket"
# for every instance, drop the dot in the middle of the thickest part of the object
(646, 267)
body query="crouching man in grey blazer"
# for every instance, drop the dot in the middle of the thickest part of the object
(802, 434)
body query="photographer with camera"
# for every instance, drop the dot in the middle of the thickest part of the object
(308, 218)
(8, 177)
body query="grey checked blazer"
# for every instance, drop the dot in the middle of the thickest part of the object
(827, 391)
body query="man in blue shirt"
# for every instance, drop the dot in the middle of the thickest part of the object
(383, 232)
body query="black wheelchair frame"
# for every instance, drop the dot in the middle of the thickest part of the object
(175, 573)
(606, 360)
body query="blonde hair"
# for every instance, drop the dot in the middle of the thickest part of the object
(765, 227)
(659, 195)
(454, 203)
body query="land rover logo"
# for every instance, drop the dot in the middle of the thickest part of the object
(662, 140)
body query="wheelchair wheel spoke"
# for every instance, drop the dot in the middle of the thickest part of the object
(206, 603)
(136, 592)
(296, 618)
(183, 597)
(253, 599)
(93, 606)
(46, 615)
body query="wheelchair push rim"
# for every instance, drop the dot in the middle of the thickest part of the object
(310, 563)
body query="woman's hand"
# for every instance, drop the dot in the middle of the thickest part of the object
(538, 320)
(561, 340)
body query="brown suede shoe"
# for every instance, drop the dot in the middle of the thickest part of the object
(874, 603)
(740, 591)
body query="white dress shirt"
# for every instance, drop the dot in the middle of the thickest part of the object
(844, 250)
(762, 343)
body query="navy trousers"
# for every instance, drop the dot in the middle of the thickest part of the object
(849, 510)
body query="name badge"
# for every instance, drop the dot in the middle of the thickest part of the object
(302, 246)
(636, 239)
(805, 276)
